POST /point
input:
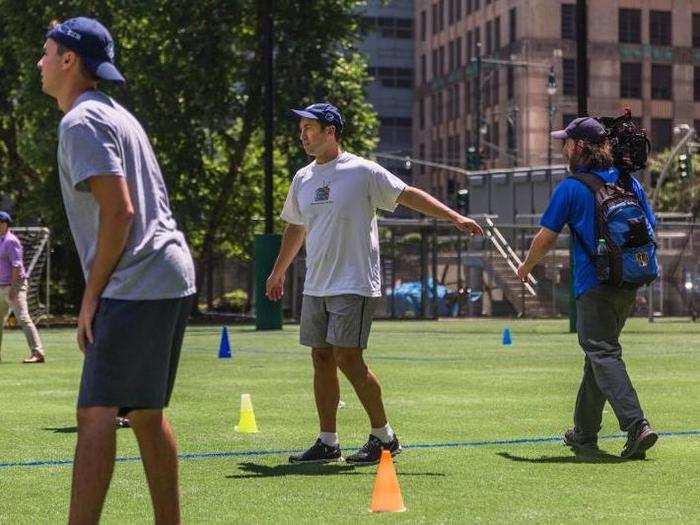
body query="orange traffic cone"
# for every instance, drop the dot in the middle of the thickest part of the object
(386, 496)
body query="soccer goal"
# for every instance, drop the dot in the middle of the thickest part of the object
(36, 243)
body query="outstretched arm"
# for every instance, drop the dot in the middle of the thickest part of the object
(541, 244)
(421, 201)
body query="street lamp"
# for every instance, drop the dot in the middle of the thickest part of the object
(551, 91)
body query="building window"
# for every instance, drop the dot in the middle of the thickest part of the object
(513, 25)
(421, 154)
(511, 136)
(423, 70)
(469, 45)
(495, 87)
(390, 27)
(441, 15)
(489, 37)
(631, 80)
(458, 53)
(433, 109)
(396, 77)
(458, 10)
(434, 18)
(660, 134)
(495, 136)
(630, 26)
(696, 29)
(497, 34)
(467, 98)
(394, 130)
(450, 104)
(450, 12)
(423, 24)
(477, 41)
(457, 108)
(510, 82)
(441, 60)
(421, 113)
(434, 63)
(450, 56)
(568, 85)
(660, 28)
(440, 107)
(566, 119)
(661, 82)
(568, 22)
(476, 5)
(469, 8)
(696, 86)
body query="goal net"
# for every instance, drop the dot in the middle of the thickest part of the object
(36, 244)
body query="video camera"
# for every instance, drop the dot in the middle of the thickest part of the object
(629, 142)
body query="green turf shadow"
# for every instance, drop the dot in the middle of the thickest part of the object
(258, 470)
(591, 457)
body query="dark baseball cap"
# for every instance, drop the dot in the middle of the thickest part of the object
(582, 128)
(5, 217)
(323, 112)
(92, 41)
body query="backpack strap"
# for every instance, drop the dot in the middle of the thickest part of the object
(594, 183)
(590, 180)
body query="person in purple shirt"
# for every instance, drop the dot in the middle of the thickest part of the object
(13, 289)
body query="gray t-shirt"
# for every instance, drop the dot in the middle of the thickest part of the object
(99, 137)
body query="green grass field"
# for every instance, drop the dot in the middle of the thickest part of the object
(463, 405)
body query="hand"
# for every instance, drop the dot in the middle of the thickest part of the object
(85, 318)
(523, 271)
(467, 225)
(274, 289)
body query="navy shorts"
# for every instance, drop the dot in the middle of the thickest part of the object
(133, 362)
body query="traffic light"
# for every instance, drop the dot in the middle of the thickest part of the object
(473, 159)
(463, 201)
(685, 166)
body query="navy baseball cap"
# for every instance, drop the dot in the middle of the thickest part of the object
(5, 217)
(582, 128)
(323, 112)
(92, 41)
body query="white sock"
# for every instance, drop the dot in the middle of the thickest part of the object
(329, 438)
(385, 433)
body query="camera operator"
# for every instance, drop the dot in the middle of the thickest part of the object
(602, 308)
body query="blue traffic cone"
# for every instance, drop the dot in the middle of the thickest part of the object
(224, 346)
(506, 337)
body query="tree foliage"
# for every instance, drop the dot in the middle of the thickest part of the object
(194, 80)
(676, 194)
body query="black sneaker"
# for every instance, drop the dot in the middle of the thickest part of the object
(580, 442)
(318, 453)
(639, 440)
(123, 422)
(370, 453)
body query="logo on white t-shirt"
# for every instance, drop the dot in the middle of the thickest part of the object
(323, 193)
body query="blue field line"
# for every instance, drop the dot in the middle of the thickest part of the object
(252, 453)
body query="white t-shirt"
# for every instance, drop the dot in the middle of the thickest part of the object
(336, 202)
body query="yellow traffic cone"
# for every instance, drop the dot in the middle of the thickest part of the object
(386, 496)
(246, 422)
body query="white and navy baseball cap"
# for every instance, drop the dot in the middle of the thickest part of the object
(323, 112)
(93, 42)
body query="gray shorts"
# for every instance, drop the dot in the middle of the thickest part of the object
(336, 320)
(133, 362)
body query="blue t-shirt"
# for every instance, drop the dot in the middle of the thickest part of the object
(573, 203)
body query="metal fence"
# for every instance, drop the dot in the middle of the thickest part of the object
(430, 270)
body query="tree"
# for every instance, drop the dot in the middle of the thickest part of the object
(678, 194)
(194, 81)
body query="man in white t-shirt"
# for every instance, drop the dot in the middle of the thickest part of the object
(332, 204)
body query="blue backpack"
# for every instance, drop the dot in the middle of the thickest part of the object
(626, 254)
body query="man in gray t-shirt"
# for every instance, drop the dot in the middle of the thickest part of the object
(137, 265)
